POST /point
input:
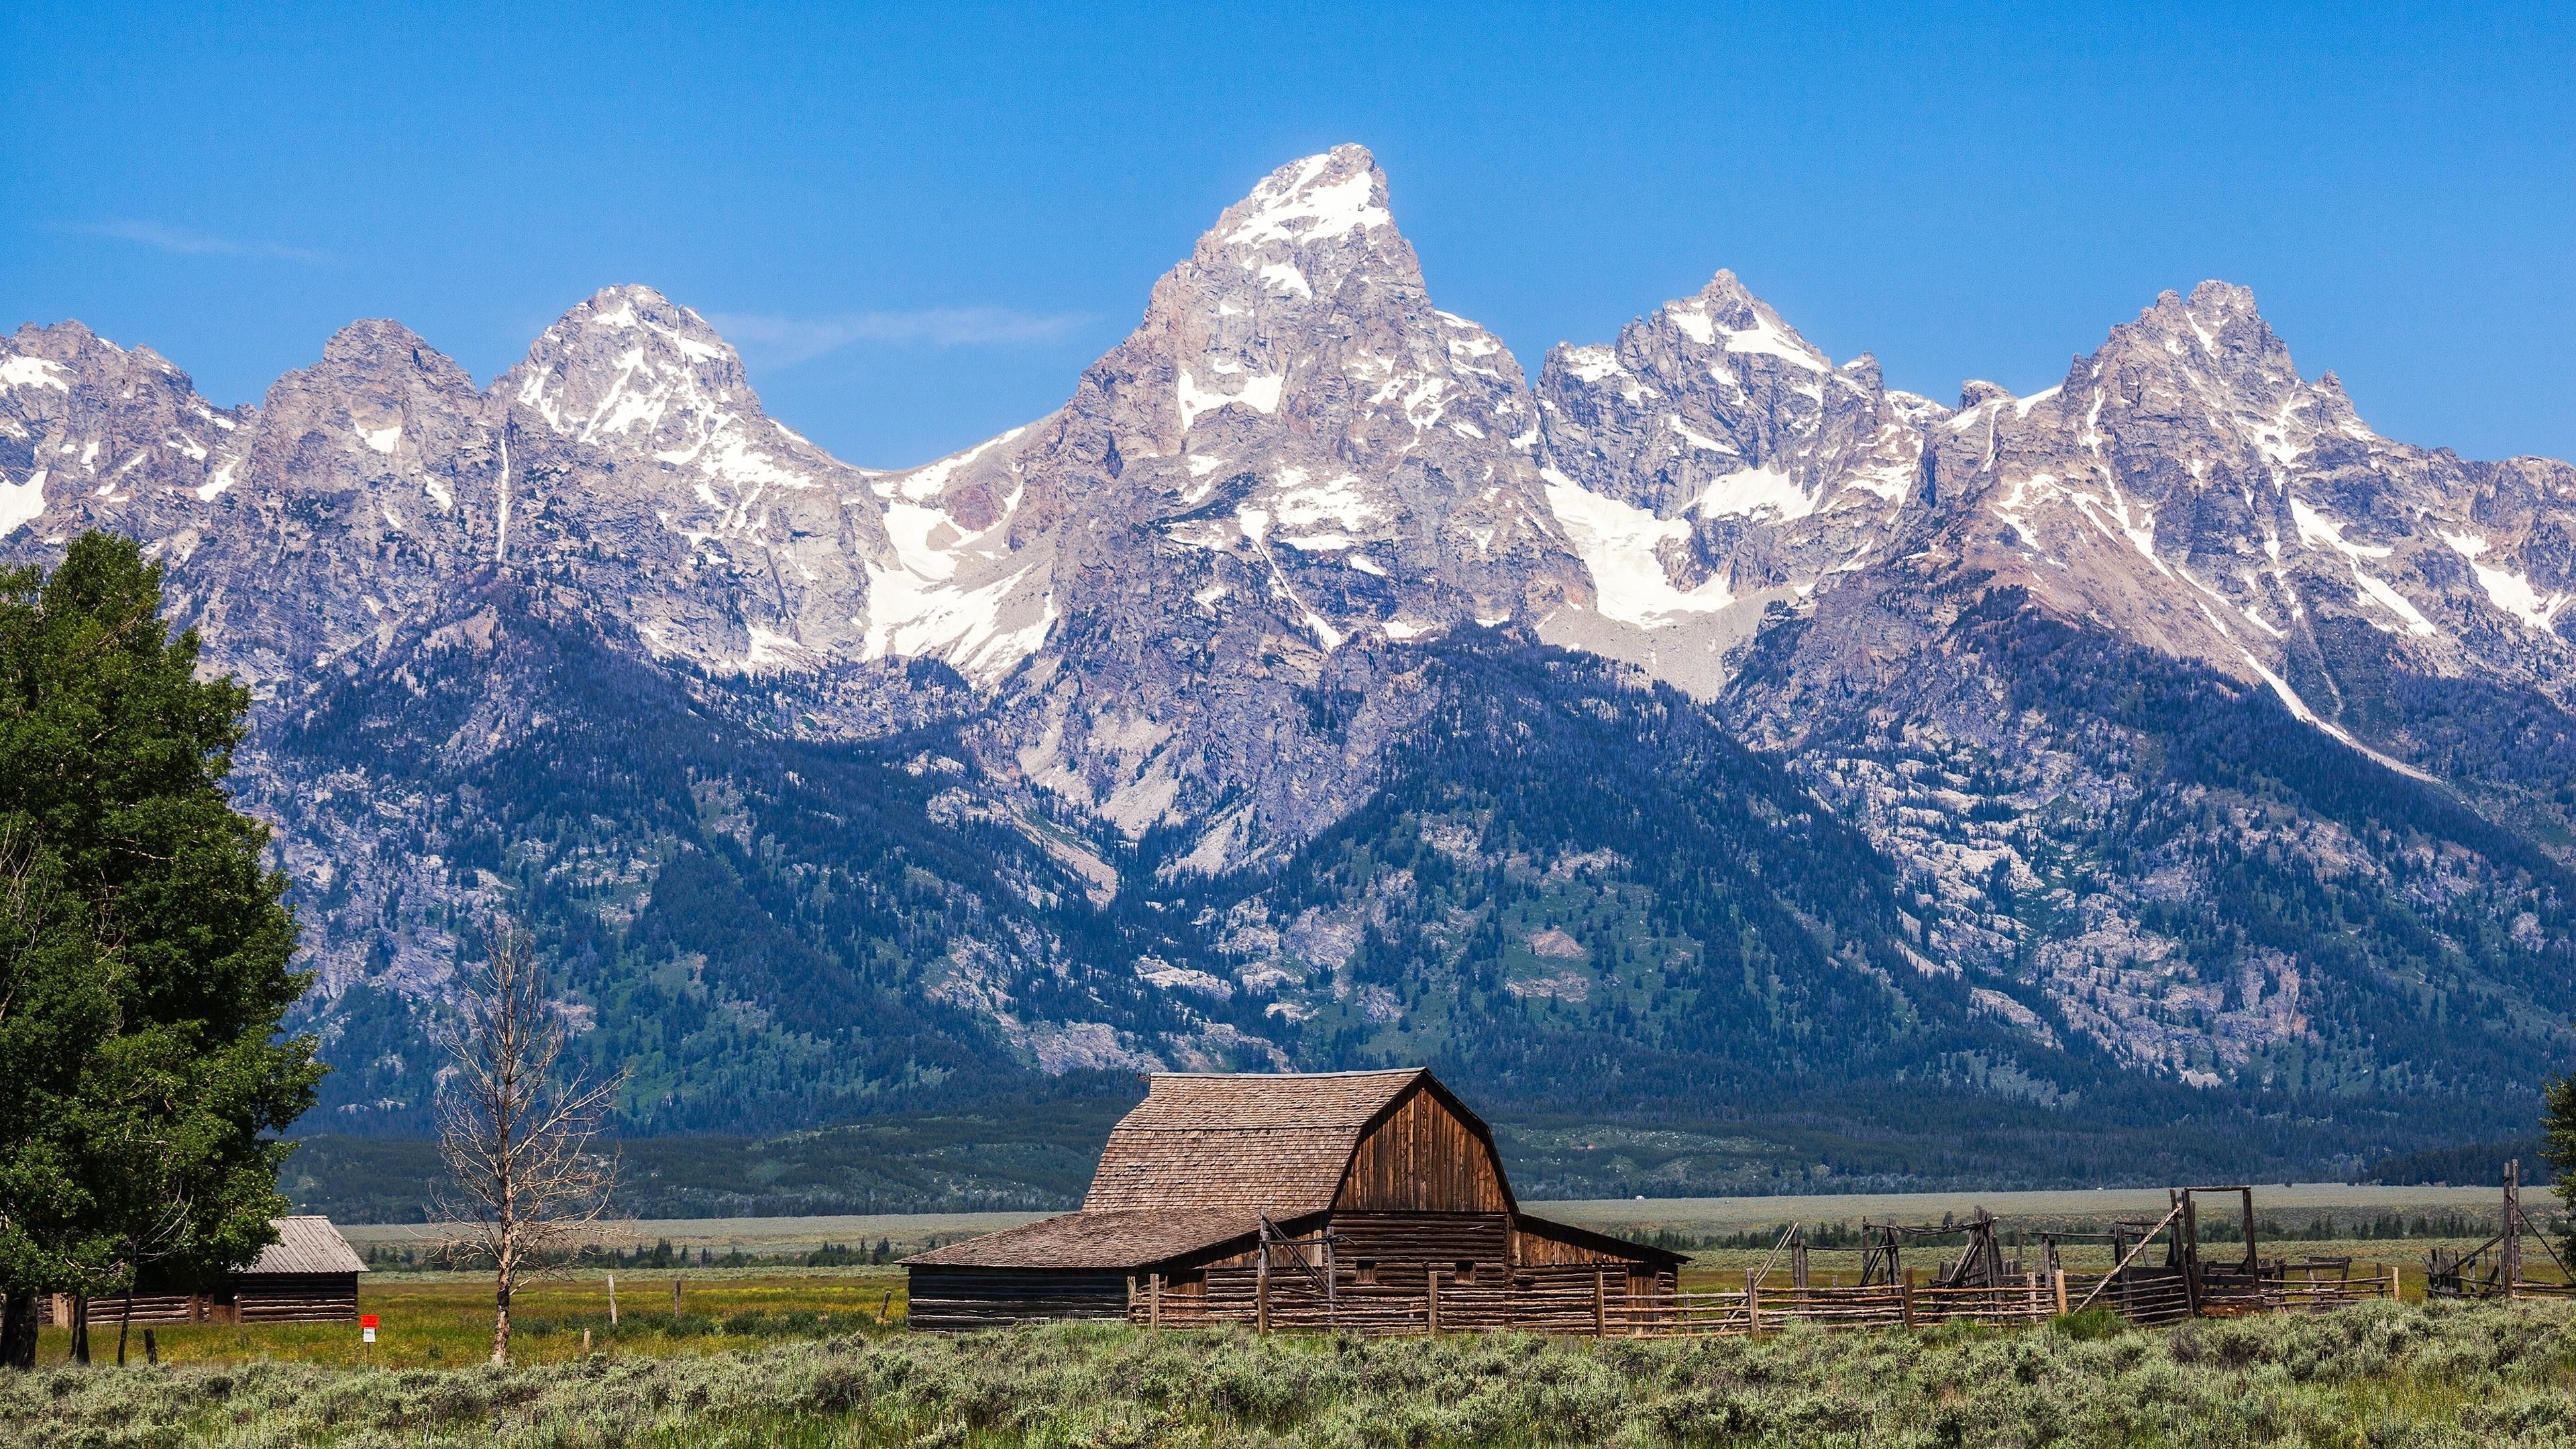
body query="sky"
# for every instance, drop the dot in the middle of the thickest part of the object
(919, 224)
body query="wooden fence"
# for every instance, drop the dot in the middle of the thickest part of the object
(2144, 1296)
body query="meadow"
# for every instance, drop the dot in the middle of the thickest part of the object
(2386, 1375)
(1681, 1221)
(444, 1319)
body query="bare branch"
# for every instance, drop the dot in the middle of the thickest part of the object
(515, 1132)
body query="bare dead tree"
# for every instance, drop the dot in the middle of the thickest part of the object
(515, 1125)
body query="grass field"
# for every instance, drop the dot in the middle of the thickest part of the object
(1695, 1216)
(761, 1237)
(444, 1320)
(2379, 1375)
(2297, 1202)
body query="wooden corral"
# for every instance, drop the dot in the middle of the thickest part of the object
(1364, 1200)
(309, 1275)
(2493, 1269)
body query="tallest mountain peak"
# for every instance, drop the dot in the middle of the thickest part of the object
(1336, 196)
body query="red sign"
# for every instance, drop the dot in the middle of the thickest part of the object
(366, 1320)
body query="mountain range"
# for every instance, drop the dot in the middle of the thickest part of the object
(2161, 771)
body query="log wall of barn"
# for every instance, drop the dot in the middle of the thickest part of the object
(295, 1298)
(961, 1299)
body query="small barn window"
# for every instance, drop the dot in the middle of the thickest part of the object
(1466, 1271)
(1364, 1271)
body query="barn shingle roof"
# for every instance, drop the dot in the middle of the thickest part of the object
(306, 1245)
(1097, 1240)
(1241, 1144)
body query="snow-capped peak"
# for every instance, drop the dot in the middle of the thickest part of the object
(1311, 201)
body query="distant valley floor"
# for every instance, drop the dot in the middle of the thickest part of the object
(2298, 1206)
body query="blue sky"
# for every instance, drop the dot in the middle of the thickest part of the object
(920, 225)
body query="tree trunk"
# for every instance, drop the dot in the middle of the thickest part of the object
(18, 1329)
(80, 1330)
(501, 1316)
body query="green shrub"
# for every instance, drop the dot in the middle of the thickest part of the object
(2089, 1325)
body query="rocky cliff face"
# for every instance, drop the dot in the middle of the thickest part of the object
(2066, 663)
(2185, 495)
(1713, 463)
(95, 436)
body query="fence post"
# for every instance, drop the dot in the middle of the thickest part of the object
(1431, 1276)
(1753, 1299)
(1154, 1304)
(2395, 1295)
(1906, 1302)
(1261, 1290)
(2509, 1257)
(2059, 1274)
(1600, 1303)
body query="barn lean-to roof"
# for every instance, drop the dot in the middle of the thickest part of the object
(1258, 1142)
(1597, 1240)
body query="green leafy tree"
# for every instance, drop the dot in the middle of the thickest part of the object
(144, 951)
(2558, 1146)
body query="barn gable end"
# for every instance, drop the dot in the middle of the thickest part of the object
(1425, 1152)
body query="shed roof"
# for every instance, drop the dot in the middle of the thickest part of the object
(1600, 1241)
(306, 1245)
(1098, 1240)
(1242, 1143)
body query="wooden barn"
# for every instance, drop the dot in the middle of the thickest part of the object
(309, 1275)
(1363, 1200)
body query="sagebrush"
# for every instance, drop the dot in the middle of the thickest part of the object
(2381, 1375)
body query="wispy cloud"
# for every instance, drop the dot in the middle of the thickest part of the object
(180, 241)
(788, 340)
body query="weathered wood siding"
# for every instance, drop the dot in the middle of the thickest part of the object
(1422, 1158)
(962, 1299)
(294, 1298)
(1404, 1246)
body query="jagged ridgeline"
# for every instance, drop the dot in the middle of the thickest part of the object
(1736, 771)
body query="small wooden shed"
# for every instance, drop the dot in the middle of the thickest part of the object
(1367, 1200)
(309, 1275)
